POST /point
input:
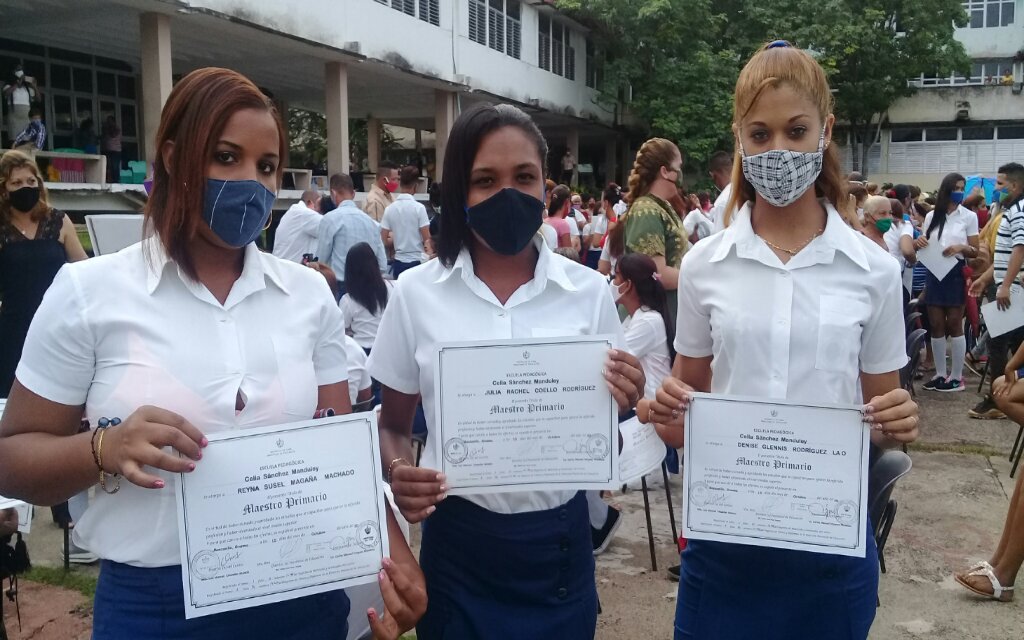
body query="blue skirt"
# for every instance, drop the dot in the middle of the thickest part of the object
(493, 576)
(148, 604)
(736, 592)
(951, 291)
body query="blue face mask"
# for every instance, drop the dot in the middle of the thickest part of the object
(506, 221)
(237, 210)
(956, 197)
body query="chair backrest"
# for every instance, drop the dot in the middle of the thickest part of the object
(912, 321)
(882, 476)
(914, 343)
(912, 306)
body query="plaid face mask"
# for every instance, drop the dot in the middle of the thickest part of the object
(780, 175)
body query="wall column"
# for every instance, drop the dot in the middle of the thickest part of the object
(155, 45)
(373, 143)
(611, 165)
(336, 101)
(572, 141)
(444, 118)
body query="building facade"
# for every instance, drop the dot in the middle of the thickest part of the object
(969, 124)
(409, 63)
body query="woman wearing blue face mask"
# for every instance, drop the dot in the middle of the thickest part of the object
(190, 332)
(509, 565)
(956, 230)
(812, 313)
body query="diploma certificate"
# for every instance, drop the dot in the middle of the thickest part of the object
(280, 512)
(526, 415)
(776, 474)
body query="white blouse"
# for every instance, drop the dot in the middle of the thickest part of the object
(960, 225)
(360, 321)
(803, 330)
(434, 304)
(129, 329)
(647, 339)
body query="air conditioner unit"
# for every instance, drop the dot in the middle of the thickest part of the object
(462, 79)
(963, 111)
(352, 47)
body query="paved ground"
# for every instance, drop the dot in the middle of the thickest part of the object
(951, 511)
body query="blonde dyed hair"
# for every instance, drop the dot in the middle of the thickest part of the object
(652, 156)
(775, 66)
(9, 163)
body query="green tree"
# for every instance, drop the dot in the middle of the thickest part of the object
(307, 131)
(679, 59)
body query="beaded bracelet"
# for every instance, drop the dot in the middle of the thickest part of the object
(391, 467)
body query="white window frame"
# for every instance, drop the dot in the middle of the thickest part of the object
(985, 9)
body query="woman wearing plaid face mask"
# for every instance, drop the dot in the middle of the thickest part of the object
(787, 303)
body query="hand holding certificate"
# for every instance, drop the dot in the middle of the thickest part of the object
(526, 416)
(776, 474)
(932, 258)
(275, 513)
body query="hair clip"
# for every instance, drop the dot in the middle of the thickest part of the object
(777, 44)
(656, 276)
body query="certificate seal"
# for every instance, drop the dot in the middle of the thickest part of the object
(846, 512)
(699, 493)
(205, 565)
(368, 535)
(455, 450)
(597, 446)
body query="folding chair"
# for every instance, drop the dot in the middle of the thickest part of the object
(882, 476)
(912, 321)
(1017, 450)
(647, 514)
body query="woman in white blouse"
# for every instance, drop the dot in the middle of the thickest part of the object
(366, 295)
(191, 332)
(787, 303)
(955, 228)
(509, 565)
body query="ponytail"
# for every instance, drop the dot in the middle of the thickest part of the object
(640, 270)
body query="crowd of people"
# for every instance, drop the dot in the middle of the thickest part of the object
(354, 300)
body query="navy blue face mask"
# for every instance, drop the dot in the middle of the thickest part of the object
(507, 221)
(237, 210)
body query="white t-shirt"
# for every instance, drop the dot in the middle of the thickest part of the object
(892, 240)
(550, 236)
(297, 233)
(620, 208)
(360, 321)
(404, 218)
(606, 254)
(358, 376)
(697, 221)
(599, 225)
(21, 96)
(127, 329)
(574, 229)
(717, 213)
(647, 340)
(960, 225)
(435, 304)
(801, 331)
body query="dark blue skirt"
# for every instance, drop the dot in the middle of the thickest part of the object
(147, 604)
(494, 576)
(951, 291)
(735, 592)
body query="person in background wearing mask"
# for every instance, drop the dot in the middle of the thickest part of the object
(297, 231)
(35, 242)
(1007, 251)
(405, 228)
(956, 229)
(20, 93)
(504, 565)
(191, 298)
(380, 195)
(787, 254)
(33, 137)
(651, 226)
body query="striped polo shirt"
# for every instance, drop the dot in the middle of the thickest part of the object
(1010, 235)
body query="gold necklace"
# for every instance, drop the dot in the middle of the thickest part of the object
(792, 252)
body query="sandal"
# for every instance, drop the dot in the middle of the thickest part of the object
(999, 592)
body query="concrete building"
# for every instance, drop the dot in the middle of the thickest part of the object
(407, 63)
(966, 124)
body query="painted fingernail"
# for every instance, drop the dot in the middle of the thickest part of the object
(442, 496)
(613, 352)
(382, 576)
(440, 477)
(204, 442)
(371, 615)
(387, 562)
(443, 488)
(431, 510)
(191, 466)
(869, 409)
(159, 484)
(200, 455)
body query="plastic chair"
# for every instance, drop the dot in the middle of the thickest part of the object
(882, 476)
(912, 306)
(915, 341)
(138, 169)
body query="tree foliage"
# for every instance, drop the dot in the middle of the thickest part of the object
(679, 59)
